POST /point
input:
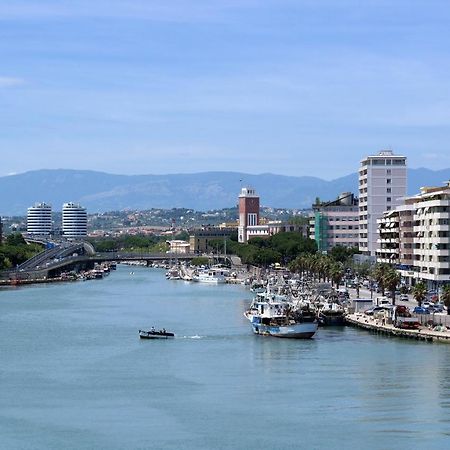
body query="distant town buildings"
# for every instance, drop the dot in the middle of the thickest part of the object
(335, 223)
(74, 221)
(382, 183)
(39, 219)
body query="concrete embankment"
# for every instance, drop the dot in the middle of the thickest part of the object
(380, 326)
(21, 282)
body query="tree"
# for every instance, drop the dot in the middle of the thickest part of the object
(379, 273)
(391, 281)
(199, 261)
(445, 297)
(419, 292)
(336, 272)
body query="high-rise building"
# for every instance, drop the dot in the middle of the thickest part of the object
(39, 219)
(248, 212)
(74, 221)
(335, 223)
(1, 231)
(382, 184)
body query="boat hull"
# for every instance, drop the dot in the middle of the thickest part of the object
(331, 320)
(155, 335)
(304, 330)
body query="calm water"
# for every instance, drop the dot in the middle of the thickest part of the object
(74, 374)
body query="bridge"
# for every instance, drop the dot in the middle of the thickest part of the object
(81, 256)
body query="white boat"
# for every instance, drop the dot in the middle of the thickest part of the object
(212, 275)
(279, 319)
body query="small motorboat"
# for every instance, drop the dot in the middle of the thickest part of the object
(156, 334)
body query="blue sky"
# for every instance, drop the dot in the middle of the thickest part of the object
(295, 87)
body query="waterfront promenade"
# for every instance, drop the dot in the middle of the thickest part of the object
(383, 327)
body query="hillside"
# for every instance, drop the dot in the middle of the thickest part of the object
(100, 192)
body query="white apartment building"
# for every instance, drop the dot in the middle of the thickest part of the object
(39, 219)
(415, 237)
(74, 221)
(396, 239)
(432, 235)
(335, 223)
(382, 184)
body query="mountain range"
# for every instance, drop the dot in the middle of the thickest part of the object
(101, 192)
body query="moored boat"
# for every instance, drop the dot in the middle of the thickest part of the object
(331, 314)
(275, 318)
(212, 275)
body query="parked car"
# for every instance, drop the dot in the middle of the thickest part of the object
(404, 298)
(420, 310)
(375, 309)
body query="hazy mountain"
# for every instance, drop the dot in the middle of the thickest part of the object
(99, 191)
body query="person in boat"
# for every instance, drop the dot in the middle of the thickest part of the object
(152, 329)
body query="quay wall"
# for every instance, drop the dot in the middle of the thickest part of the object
(379, 326)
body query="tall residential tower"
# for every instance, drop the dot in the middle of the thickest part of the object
(74, 221)
(39, 219)
(382, 184)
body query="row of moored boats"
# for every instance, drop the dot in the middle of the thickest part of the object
(291, 311)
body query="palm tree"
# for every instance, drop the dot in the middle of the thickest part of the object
(379, 274)
(419, 292)
(336, 273)
(391, 281)
(445, 297)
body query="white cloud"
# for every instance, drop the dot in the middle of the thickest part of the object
(6, 82)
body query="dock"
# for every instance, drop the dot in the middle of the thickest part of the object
(383, 327)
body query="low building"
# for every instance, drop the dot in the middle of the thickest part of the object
(335, 223)
(274, 227)
(178, 246)
(201, 240)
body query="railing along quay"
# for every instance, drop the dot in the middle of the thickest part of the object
(379, 326)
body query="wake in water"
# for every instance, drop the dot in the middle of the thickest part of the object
(196, 336)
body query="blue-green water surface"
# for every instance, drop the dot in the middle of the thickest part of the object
(75, 375)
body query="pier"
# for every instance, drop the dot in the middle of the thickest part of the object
(384, 327)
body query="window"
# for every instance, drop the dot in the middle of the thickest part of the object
(388, 190)
(388, 199)
(252, 219)
(388, 181)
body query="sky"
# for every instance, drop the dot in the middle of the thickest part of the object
(293, 87)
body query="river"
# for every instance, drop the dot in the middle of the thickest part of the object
(75, 375)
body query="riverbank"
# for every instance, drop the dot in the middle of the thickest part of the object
(378, 326)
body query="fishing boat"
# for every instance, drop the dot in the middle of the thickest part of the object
(331, 314)
(154, 334)
(280, 319)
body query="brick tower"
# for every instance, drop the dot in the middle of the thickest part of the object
(248, 212)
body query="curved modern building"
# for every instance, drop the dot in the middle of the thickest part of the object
(39, 219)
(74, 221)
